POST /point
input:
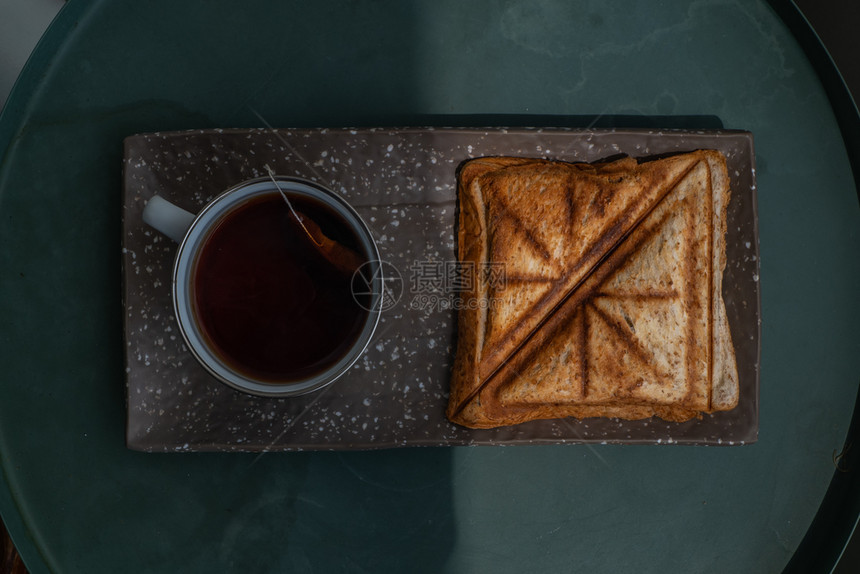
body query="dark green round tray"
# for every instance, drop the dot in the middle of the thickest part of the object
(75, 499)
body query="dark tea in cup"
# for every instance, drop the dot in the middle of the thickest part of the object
(267, 299)
(273, 299)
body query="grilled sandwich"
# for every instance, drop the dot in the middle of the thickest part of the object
(610, 300)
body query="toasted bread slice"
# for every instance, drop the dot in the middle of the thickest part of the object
(611, 304)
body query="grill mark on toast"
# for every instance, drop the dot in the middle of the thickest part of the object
(583, 350)
(521, 227)
(631, 402)
(689, 300)
(641, 296)
(610, 265)
(528, 279)
(609, 250)
(571, 215)
(631, 343)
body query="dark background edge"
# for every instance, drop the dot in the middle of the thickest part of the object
(826, 30)
(828, 544)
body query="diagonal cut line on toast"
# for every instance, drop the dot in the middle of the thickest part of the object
(581, 294)
(607, 250)
(533, 241)
(596, 241)
(686, 210)
(632, 344)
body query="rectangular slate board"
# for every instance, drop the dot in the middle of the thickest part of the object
(402, 182)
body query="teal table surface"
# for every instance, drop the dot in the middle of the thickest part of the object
(76, 500)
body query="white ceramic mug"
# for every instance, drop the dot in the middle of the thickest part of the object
(192, 231)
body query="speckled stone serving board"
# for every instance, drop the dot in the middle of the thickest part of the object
(402, 182)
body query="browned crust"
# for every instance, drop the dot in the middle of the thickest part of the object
(709, 206)
(578, 269)
(477, 376)
(720, 332)
(472, 229)
(579, 297)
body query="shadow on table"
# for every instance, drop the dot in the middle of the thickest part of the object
(366, 511)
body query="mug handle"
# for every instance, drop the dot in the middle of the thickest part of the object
(167, 218)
